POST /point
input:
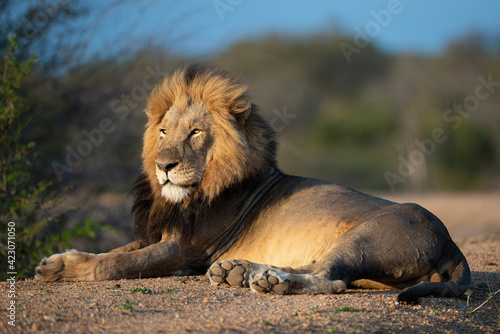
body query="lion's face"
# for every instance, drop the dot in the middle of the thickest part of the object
(185, 144)
(203, 136)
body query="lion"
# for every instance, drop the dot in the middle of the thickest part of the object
(211, 199)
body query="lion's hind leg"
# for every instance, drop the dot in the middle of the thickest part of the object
(294, 283)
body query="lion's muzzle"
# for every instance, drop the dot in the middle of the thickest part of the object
(166, 167)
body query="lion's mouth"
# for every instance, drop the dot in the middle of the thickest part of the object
(184, 186)
(176, 192)
(166, 181)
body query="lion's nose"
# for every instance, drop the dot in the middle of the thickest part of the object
(166, 167)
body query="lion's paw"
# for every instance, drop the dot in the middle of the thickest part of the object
(233, 272)
(50, 269)
(68, 266)
(271, 281)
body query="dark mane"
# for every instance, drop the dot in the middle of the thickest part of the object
(154, 215)
(143, 201)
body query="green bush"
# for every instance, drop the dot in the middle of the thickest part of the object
(466, 157)
(25, 199)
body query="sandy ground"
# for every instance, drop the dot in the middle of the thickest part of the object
(190, 304)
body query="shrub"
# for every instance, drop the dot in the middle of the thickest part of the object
(25, 199)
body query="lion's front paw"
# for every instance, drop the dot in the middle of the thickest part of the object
(50, 269)
(69, 266)
(271, 281)
(233, 272)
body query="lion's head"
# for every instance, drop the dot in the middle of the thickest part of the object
(203, 135)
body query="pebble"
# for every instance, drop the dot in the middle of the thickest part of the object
(49, 318)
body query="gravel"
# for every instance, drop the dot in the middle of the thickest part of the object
(190, 304)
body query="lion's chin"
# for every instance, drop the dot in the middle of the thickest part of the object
(175, 193)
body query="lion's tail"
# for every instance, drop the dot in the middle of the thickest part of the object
(453, 266)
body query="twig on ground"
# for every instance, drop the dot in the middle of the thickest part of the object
(490, 297)
(489, 288)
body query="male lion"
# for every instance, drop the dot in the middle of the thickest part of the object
(211, 192)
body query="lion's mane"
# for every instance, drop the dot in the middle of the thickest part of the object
(245, 150)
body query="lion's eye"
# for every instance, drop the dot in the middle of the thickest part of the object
(195, 132)
(163, 131)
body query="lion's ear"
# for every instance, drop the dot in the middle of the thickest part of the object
(154, 117)
(241, 110)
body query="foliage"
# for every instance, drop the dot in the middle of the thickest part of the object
(346, 309)
(467, 156)
(25, 199)
(127, 306)
(168, 290)
(143, 290)
(44, 26)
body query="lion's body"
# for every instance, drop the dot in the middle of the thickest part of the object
(306, 225)
(211, 192)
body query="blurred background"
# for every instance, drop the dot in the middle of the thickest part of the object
(396, 98)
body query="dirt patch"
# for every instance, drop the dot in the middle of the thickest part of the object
(190, 304)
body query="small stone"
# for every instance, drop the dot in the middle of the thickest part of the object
(49, 318)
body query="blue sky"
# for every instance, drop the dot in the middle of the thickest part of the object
(209, 26)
